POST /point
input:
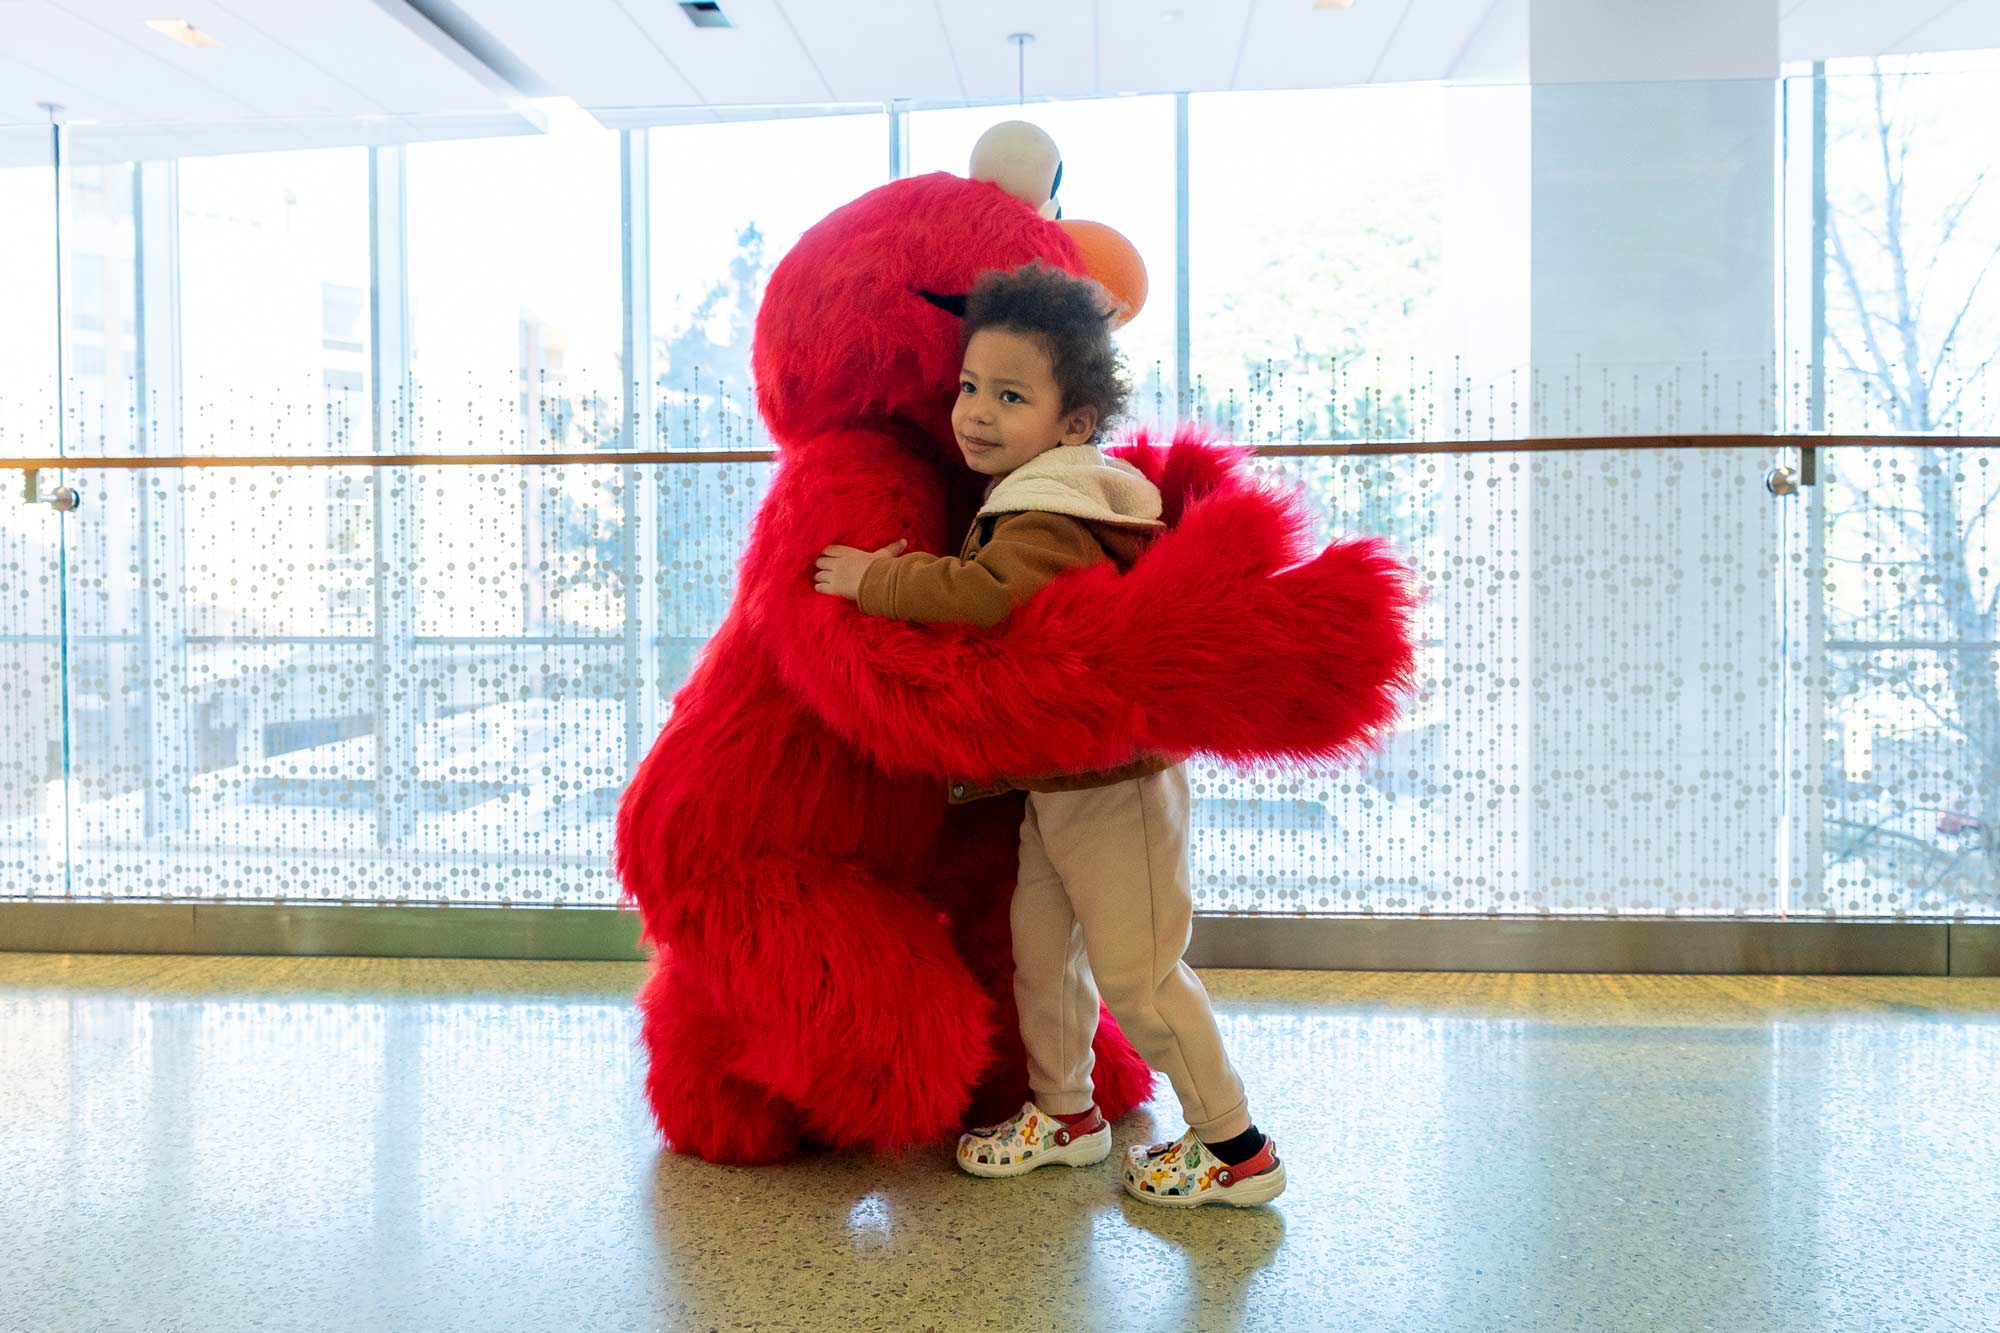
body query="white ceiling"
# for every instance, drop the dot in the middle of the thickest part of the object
(1839, 29)
(641, 53)
(277, 58)
(299, 61)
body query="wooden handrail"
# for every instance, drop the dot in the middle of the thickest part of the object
(1330, 449)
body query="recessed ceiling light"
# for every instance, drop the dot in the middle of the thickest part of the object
(182, 31)
(705, 13)
(1333, 4)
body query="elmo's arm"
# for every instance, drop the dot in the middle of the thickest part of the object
(1210, 643)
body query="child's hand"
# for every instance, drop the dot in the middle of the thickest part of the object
(840, 569)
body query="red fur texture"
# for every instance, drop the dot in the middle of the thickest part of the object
(833, 963)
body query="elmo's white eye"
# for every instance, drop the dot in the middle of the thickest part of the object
(1022, 160)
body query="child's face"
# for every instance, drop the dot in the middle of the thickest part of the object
(1009, 408)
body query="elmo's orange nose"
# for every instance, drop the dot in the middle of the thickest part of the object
(1114, 263)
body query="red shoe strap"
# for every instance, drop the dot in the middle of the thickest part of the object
(1266, 1157)
(1078, 1126)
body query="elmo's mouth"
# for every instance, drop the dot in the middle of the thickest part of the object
(945, 301)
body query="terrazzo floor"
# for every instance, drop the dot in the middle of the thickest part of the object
(332, 1144)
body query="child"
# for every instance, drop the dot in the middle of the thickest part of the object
(1103, 898)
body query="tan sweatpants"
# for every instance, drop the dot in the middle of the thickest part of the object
(1103, 905)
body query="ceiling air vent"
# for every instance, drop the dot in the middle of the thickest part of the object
(705, 13)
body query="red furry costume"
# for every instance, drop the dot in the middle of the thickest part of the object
(834, 964)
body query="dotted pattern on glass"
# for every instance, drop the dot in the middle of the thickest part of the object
(32, 861)
(429, 684)
(365, 685)
(1595, 727)
(1900, 808)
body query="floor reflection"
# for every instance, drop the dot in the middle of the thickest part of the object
(334, 1144)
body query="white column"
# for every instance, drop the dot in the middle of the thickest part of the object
(1652, 634)
(1654, 169)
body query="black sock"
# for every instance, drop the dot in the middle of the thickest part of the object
(1236, 1151)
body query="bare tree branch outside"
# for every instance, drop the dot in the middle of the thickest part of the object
(1912, 575)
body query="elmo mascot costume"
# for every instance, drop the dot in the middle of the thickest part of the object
(833, 963)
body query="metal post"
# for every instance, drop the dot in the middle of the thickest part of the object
(1183, 378)
(638, 542)
(57, 181)
(60, 258)
(394, 410)
(1816, 348)
(899, 139)
(1811, 784)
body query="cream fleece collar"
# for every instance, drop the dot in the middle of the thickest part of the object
(1078, 481)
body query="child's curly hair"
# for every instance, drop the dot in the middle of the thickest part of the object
(1068, 316)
